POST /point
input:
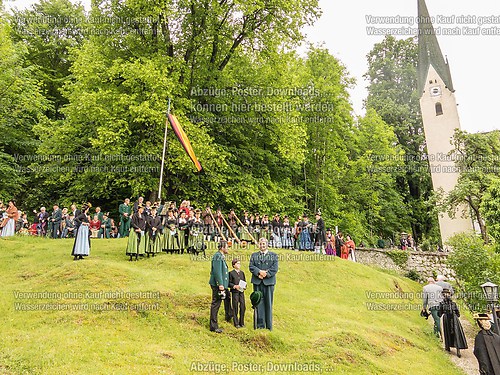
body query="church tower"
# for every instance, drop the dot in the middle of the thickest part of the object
(440, 118)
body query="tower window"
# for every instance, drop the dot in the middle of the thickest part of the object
(439, 109)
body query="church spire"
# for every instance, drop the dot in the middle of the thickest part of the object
(429, 52)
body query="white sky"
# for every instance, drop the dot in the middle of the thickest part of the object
(474, 60)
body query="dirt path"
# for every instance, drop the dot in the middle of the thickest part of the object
(468, 362)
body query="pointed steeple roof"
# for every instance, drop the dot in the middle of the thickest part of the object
(429, 52)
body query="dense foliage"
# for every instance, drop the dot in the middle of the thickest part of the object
(272, 128)
(473, 263)
(392, 92)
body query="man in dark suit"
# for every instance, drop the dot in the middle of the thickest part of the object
(264, 266)
(219, 282)
(237, 293)
(55, 220)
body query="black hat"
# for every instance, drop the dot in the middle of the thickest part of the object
(424, 314)
(481, 316)
(222, 244)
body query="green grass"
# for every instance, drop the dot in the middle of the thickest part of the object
(320, 317)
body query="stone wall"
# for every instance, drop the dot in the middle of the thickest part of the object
(422, 262)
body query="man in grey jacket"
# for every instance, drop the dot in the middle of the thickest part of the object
(441, 281)
(431, 299)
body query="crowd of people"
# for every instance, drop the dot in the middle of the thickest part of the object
(60, 223)
(154, 227)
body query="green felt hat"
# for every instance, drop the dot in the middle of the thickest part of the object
(256, 297)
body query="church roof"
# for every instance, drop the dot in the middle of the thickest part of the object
(429, 52)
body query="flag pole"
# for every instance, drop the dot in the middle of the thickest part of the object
(164, 151)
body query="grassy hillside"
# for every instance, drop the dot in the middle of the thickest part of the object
(320, 315)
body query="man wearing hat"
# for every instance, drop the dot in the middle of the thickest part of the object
(219, 282)
(264, 266)
(487, 347)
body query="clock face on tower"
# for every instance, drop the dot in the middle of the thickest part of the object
(435, 91)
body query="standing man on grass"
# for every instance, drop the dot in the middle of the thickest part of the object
(264, 266)
(219, 282)
(432, 298)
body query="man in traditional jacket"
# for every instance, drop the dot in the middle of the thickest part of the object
(69, 227)
(104, 231)
(487, 347)
(125, 211)
(263, 267)
(55, 221)
(219, 282)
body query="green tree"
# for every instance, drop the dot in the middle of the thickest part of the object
(21, 105)
(476, 156)
(490, 209)
(121, 82)
(392, 92)
(473, 263)
(50, 29)
(372, 178)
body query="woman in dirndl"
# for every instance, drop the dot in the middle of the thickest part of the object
(81, 246)
(170, 235)
(195, 239)
(154, 233)
(265, 228)
(183, 230)
(137, 239)
(286, 234)
(9, 222)
(330, 243)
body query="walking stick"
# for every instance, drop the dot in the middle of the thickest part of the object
(244, 227)
(217, 225)
(231, 230)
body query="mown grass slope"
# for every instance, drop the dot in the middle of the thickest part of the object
(321, 318)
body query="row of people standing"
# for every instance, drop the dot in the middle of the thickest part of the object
(151, 234)
(281, 233)
(180, 229)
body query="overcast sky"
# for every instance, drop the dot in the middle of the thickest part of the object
(474, 59)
